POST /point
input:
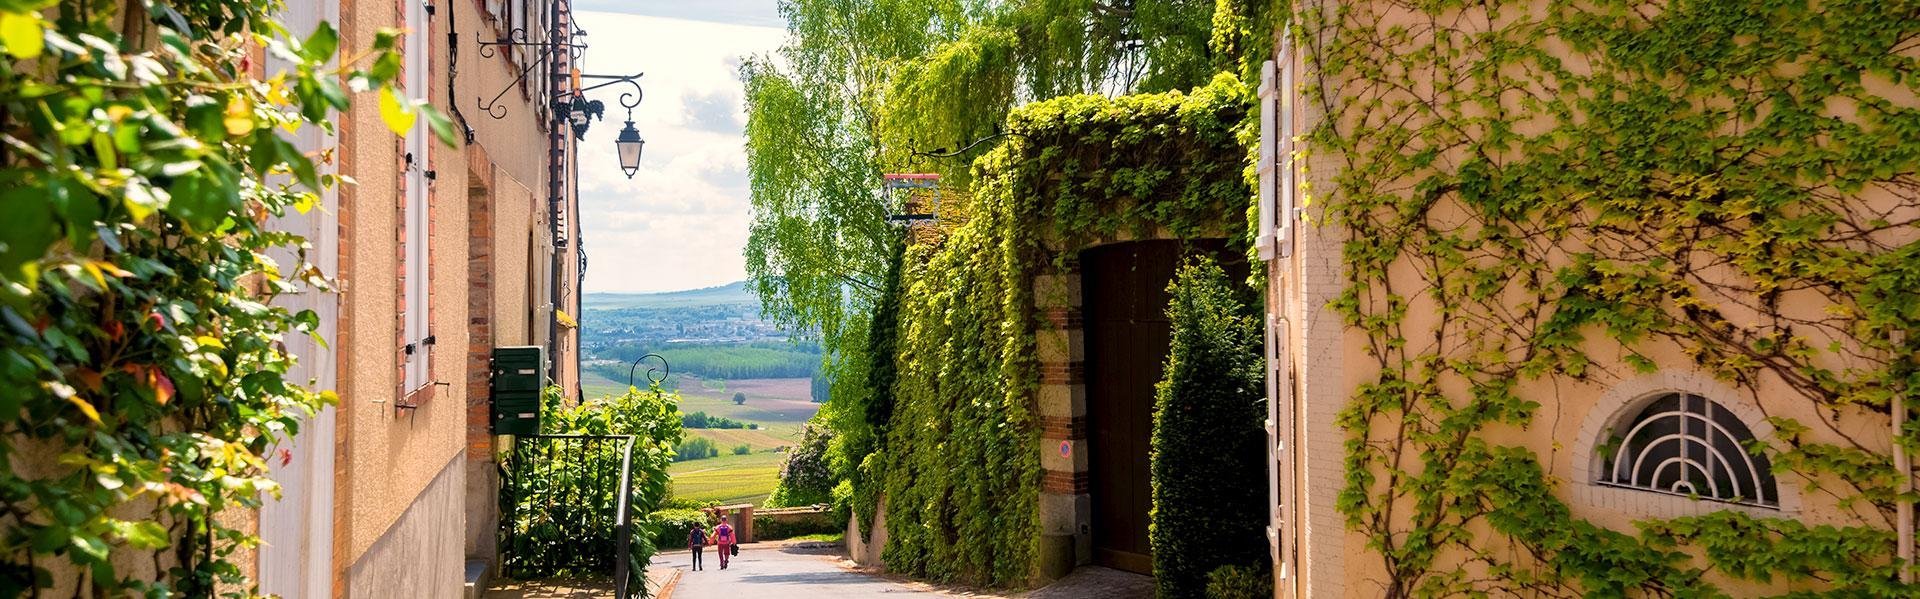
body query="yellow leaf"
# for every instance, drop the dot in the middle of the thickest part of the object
(99, 277)
(398, 115)
(112, 269)
(85, 408)
(23, 34)
(565, 318)
(239, 116)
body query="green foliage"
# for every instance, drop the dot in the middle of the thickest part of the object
(959, 446)
(819, 388)
(739, 398)
(652, 418)
(805, 478)
(742, 449)
(702, 420)
(670, 526)
(1241, 582)
(1208, 437)
(861, 85)
(696, 448)
(140, 349)
(768, 529)
(1614, 177)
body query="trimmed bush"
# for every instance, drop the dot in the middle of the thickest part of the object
(742, 449)
(766, 528)
(1240, 582)
(670, 526)
(1209, 449)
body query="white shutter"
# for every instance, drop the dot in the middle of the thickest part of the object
(1283, 103)
(1269, 149)
(416, 326)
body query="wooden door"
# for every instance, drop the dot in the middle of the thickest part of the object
(1124, 304)
(1124, 291)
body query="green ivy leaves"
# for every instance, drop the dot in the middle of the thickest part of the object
(1579, 188)
(139, 341)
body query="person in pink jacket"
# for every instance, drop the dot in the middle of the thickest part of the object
(723, 539)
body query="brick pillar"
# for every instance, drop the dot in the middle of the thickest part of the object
(1060, 342)
(482, 492)
(480, 334)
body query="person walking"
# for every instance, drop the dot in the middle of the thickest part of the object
(724, 541)
(697, 542)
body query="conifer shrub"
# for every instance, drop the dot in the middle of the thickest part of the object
(1209, 506)
(1240, 582)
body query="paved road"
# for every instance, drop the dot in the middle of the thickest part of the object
(780, 572)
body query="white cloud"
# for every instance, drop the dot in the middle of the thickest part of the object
(681, 222)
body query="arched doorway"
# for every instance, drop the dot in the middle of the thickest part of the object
(1124, 294)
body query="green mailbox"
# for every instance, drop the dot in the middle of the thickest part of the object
(519, 374)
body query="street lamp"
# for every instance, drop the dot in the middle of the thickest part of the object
(630, 145)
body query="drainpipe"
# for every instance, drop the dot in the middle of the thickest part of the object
(1902, 464)
(556, 175)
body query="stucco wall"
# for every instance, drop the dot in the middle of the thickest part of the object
(420, 557)
(392, 454)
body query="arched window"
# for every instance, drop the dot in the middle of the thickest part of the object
(1684, 444)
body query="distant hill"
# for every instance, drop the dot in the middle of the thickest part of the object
(730, 294)
(716, 332)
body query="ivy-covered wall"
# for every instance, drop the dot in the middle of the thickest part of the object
(961, 462)
(1538, 201)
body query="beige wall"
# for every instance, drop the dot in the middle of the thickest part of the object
(402, 487)
(1329, 362)
(392, 454)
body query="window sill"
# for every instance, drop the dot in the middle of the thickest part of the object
(417, 397)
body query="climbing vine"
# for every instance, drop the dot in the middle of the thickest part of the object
(1543, 197)
(142, 156)
(959, 466)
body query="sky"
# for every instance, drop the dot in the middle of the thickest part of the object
(681, 222)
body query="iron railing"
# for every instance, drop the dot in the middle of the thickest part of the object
(564, 508)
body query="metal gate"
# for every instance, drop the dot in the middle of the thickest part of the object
(564, 508)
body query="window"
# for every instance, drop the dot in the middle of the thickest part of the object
(1684, 444)
(416, 293)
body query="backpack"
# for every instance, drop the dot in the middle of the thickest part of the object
(696, 538)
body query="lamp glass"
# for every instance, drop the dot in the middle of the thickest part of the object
(629, 145)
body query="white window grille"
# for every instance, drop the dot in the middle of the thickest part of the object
(1684, 444)
(416, 327)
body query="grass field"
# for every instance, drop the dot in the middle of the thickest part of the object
(727, 479)
(727, 438)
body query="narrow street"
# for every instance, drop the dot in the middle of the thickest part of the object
(802, 572)
(786, 572)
